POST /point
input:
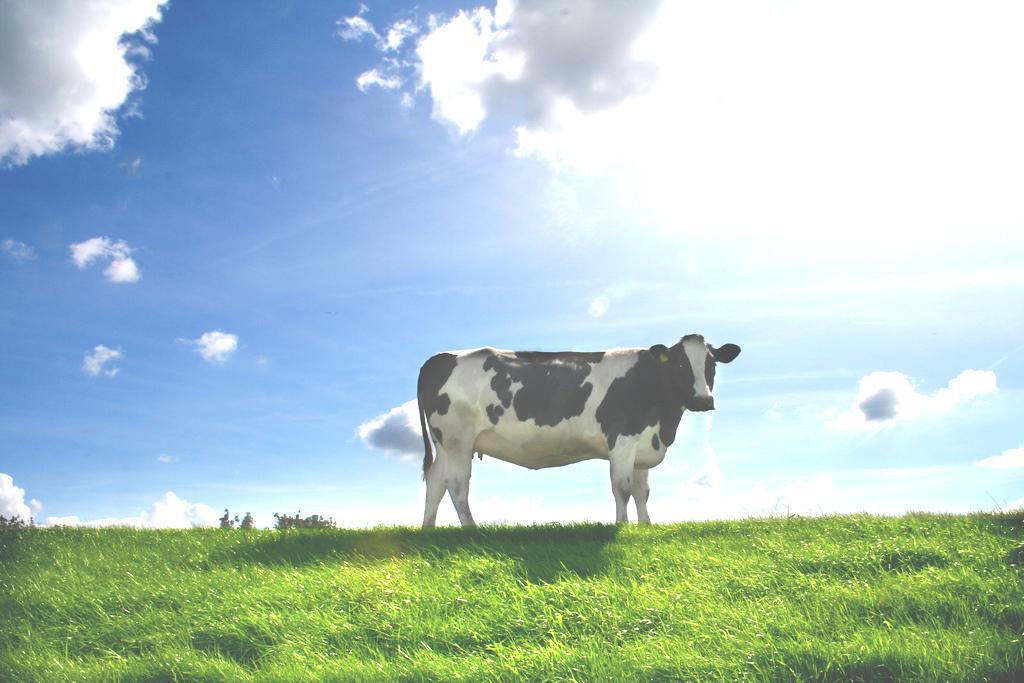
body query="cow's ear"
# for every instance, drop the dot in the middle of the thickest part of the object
(726, 353)
(660, 352)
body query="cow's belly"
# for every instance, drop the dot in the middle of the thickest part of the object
(539, 447)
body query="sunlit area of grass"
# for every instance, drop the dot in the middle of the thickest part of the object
(920, 597)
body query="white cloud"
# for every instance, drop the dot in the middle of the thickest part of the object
(1015, 505)
(122, 270)
(170, 512)
(36, 505)
(452, 64)
(66, 68)
(707, 481)
(1007, 460)
(18, 251)
(355, 28)
(396, 432)
(399, 31)
(892, 135)
(705, 496)
(531, 61)
(883, 398)
(216, 346)
(12, 499)
(534, 62)
(122, 267)
(132, 167)
(84, 253)
(165, 458)
(381, 79)
(93, 362)
(599, 306)
(63, 520)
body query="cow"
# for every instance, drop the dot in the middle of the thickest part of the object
(543, 409)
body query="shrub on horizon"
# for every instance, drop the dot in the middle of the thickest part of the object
(226, 522)
(299, 522)
(15, 523)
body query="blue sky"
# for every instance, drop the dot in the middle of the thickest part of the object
(231, 233)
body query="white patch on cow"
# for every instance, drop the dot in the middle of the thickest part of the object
(646, 456)
(697, 353)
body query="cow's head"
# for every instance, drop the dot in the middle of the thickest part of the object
(690, 369)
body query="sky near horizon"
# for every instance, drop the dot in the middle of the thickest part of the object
(231, 233)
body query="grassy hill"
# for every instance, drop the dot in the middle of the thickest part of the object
(922, 597)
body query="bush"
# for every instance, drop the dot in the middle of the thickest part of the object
(15, 523)
(226, 522)
(299, 522)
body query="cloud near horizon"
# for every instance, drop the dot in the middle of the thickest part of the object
(1012, 458)
(170, 512)
(66, 69)
(12, 499)
(396, 432)
(885, 398)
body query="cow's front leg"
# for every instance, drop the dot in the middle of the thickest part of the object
(622, 460)
(641, 491)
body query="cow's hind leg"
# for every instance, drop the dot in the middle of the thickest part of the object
(641, 491)
(450, 472)
(435, 491)
(460, 467)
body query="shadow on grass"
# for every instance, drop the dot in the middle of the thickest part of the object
(546, 552)
(9, 540)
(246, 646)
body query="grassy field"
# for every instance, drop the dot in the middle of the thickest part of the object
(922, 597)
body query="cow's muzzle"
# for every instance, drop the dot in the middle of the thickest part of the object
(700, 404)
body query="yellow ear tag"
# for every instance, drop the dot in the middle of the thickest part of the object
(664, 358)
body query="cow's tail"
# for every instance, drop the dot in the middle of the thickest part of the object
(428, 455)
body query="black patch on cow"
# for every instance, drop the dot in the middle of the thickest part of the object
(654, 442)
(494, 413)
(553, 386)
(502, 385)
(650, 393)
(433, 375)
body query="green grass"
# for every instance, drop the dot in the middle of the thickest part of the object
(922, 597)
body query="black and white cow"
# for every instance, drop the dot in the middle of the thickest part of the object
(540, 409)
